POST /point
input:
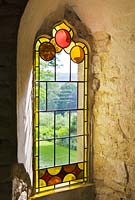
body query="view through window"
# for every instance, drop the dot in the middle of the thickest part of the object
(60, 110)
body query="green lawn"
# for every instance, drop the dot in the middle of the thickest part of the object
(61, 152)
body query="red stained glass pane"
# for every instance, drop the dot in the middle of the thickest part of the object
(46, 51)
(63, 38)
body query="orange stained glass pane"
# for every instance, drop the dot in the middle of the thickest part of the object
(77, 54)
(57, 48)
(54, 180)
(69, 168)
(47, 51)
(68, 49)
(54, 170)
(69, 177)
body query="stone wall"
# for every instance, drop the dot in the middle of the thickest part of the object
(10, 13)
(114, 111)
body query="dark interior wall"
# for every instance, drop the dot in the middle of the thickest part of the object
(10, 14)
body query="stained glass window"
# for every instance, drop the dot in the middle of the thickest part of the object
(60, 110)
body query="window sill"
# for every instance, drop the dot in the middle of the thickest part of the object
(79, 192)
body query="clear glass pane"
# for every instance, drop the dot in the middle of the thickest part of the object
(80, 123)
(62, 66)
(74, 71)
(61, 96)
(76, 149)
(80, 95)
(46, 154)
(73, 123)
(62, 124)
(46, 125)
(47, 70)
(62, 151)
(42, 98)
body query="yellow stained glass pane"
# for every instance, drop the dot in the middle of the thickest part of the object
(76, 181)
(85, 102)
(68, 49)
(36, 118)
(42, 172)
(57, 48)
(69, 177)
(85, 141)
(36, 149)
(37, 73)
(36, 179)
(85, 115)
(77, 54)
(85, 128)
(86, 74)
(80, 165)
(85, 170)
(48, 188)
(36, 103)
(42, 183)
(85, 155)
(54, 170)
(44, 40)
(36, 163)
(85, 88)
(62, 26)
(37, 45)
(86, 61)
(80, 44)
(37, 59)
(71, 33)
(85, 50)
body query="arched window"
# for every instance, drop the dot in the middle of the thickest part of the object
(60, 110)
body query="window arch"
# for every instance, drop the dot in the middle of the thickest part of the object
(60, 109)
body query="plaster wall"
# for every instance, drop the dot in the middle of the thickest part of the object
(113, 29)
